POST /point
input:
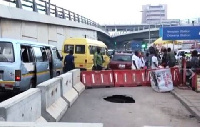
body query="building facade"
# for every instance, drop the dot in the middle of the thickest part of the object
(154, 14)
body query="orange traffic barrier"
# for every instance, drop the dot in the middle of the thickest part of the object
(129, 78)
(97, 78)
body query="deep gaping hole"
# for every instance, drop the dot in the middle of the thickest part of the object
(120, 99)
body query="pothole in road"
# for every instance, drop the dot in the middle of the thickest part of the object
(119, 99)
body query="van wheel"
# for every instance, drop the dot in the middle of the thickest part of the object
(57, 73)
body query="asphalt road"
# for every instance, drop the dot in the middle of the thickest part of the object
(150, 109)
(5, 95)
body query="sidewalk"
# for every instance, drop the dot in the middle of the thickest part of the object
(190, 99)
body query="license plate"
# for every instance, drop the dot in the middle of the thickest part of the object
(122, 66)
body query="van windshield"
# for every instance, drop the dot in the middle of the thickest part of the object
(6, 52)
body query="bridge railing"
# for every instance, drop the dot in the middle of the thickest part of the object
(44, 7)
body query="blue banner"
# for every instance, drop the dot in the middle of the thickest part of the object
(181, 33)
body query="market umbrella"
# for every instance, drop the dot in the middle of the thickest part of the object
(159, 41)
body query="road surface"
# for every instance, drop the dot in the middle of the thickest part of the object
(150, 109)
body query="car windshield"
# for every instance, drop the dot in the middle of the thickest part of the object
(110, 53)
(125, 58)
(6, 52)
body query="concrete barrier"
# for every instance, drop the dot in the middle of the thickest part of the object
(53, 105)
(31, 124)
(76, 83)
(67, 91)
(24, 107)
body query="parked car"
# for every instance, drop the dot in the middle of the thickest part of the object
(121, 61)
(181, 52)
(111, 52)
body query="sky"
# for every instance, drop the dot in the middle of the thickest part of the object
(127, 11)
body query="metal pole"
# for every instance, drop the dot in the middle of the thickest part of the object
(173, 45)
(49, 7)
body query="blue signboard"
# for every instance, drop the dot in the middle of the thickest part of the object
(161, 32)
(136, 45)
(181, 33)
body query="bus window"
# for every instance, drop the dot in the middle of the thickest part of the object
(80, 49)
(44, 54)
(6, 52)
(38, 54)
(92, 49)
(103, 51)
(67, 48)
(26, 54)
(58, 55)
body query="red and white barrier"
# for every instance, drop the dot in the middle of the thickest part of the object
(97, 78)
(176, 76)
(123, 78)
(129, 78)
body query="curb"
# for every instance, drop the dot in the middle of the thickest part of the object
(187, 105)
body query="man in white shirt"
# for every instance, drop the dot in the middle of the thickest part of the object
(141, 62)
(135, 61)
(154, 64)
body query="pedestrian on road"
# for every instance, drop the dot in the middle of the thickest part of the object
(147, 59)
(135, 61)
(69, 62)
(171, 60)
(164, 58)
(153, 60)
(142, 62)
(98, 60)
(194, 61)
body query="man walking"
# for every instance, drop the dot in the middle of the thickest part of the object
(98, 60)
(171, 60)
(135, 61)
(69, 62)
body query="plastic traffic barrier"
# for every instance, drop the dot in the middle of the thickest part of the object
(147, 78)
(176, 76)
(97, 78)
(129, 78)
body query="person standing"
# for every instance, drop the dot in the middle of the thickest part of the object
(194, 61)
(164, 58)
(171, 60)
(135, 61)
(98, 60)
(69, 62)
(153, 60)
(147, 59)
(142, 62)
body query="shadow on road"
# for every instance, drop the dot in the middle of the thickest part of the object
(6, 95)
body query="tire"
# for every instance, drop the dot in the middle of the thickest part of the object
(57, 73)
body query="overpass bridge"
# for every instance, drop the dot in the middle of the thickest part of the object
(54, 100)
(45, 22)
